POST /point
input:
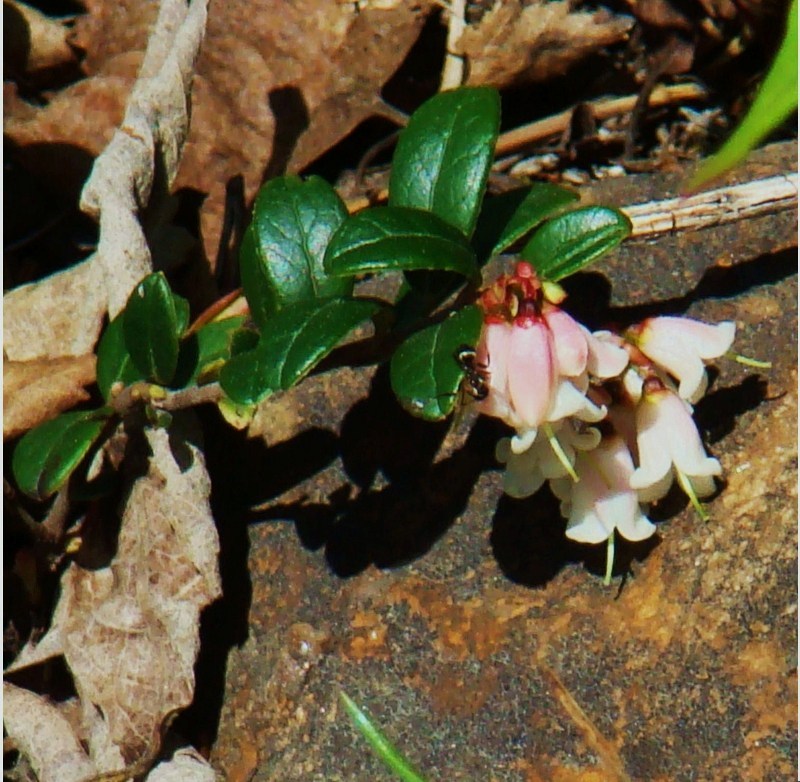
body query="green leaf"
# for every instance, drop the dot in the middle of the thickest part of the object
(181, 313)
(114, 363)
(209, 348)
(389, 238)
(568, 242)
(282, 250)
(47, 455)
(424, 373)
(506, 218)
(775, 102)
(152, 328)
(444, 154)
(298, 338)
(383, 748)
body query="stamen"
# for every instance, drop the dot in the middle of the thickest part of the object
(749, 362)
(688, 489)
(609, 558)
(559, 452)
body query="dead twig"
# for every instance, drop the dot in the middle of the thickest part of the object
(714, 207)
(601, 109)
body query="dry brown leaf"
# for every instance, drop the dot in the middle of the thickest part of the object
(62, 315)
(43, 734)
(267, 71)
(186, 765)
(58, 316)
(255, 64)
(129, 631)
(34, 42)
(514, 44)
(35, 391)
(156, 123)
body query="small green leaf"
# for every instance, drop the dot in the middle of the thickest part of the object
(181, 313)
(152, 328)
(506, 218)
(114, 363)
(775, 102)
(443, 157)
(568, 242)
(383, 748)
(424, 373)
(211, 346)
(398, 239)
(47, 455)
(282, 250)
(298, 338)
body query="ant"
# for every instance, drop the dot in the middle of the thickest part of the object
(476, 374)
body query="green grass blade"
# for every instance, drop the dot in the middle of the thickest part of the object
(380, 744)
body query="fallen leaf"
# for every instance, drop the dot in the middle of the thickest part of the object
(514, 44)
(34, 42)
(129, 631)
(35, 391)
(45, 736)
(60, 315)
(152, 135)
(260, 102)
(264, 105)
(186, 765)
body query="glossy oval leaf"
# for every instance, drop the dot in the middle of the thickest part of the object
(114, 363)
(383, 748)
(47, 455)
(507, 217)
(152, 328)
(443, 157)
(389, 238)
(569, 242)
(298, 338)
(282, 252)
(424, 373)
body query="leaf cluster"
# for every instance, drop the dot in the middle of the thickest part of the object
(301, 260)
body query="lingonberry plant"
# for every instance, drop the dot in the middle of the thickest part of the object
(605, 418)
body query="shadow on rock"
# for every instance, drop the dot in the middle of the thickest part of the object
(531, 548)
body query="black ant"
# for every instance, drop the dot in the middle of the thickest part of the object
(476, 374)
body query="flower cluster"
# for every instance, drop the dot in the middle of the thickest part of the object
(605, 418)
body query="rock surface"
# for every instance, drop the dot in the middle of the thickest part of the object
(368, 552)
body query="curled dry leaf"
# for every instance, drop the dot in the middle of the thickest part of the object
(62, 314)
(260, 102)
(58, 316)
(35, 391)
(156, 123)
(129, 631)
(45, 736)
(516, 43)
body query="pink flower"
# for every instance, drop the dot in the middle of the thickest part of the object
(528, 469)
(537, 358)
(681, 345)
(602, 499)
(669, 445)
(521, 374)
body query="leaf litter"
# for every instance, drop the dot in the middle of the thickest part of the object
(129, 630)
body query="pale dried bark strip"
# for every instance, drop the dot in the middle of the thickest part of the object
(713, 207)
